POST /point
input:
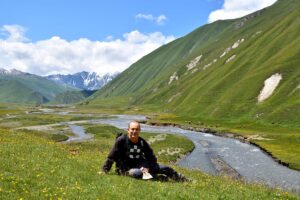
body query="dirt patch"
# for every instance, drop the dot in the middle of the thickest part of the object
(40, 127)
(10, 124)
(256, 137)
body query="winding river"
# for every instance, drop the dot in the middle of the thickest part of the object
(247, 160)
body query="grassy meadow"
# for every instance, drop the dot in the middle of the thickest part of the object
(281, 141)
(215, 94)
(194, 80)
(34, 165)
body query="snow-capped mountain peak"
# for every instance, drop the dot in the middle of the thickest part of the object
(11, 72)
(83, 80)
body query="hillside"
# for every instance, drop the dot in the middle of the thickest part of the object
(69, 97)
(238, 76)
(218, 70)
(20, 87)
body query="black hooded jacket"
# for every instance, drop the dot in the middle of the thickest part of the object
(127, 155)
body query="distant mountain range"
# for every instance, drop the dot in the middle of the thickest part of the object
(83, 80)
(21, 87)
(14, 72)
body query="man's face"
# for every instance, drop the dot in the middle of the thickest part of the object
(134, 132)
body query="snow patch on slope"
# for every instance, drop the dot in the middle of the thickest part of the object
(234, 46)
(257, 33)
(230, 59)
(270, 85)
(225, 52)
(11, 72)
(193, 62)
(209, 64)
(237, 43)
(173, 77)
(173, 97)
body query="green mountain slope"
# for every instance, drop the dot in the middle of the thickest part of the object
(219, 75)
(28, 88)
(232, 59)
(69, 97)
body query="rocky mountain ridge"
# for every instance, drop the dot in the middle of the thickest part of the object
(83, 80)
(22, 87)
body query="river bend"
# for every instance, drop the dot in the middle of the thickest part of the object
(249, 161)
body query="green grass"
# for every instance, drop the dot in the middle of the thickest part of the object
(21, 119)
(28, 89)
(48, 135)
(281, 142)
(35, 167)
(70, 97)
(37, 119)
(224, 95)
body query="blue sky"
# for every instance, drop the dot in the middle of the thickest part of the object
(97, 19)
(67, 36)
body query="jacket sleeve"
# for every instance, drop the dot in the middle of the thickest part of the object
(114, 154)
(150, 157)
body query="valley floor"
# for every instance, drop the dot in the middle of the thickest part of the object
(34, 165)
(37, 168)
(281, 143)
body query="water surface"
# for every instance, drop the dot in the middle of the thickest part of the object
(249, 161)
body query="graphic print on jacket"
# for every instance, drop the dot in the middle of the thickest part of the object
(134, 151)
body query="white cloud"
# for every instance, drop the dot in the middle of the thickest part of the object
(144, 16)
(236, 8)
(56, 55)
(160, 20)
(14, 33)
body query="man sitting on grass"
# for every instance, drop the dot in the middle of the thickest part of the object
(134, 157)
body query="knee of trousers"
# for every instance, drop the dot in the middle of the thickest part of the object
(135, 173)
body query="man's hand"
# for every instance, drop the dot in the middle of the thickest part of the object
(144, 169)
(146, 174)
(103, 171)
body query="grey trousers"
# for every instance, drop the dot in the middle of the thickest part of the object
(163, 169)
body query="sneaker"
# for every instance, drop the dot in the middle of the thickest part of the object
(182, 178)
